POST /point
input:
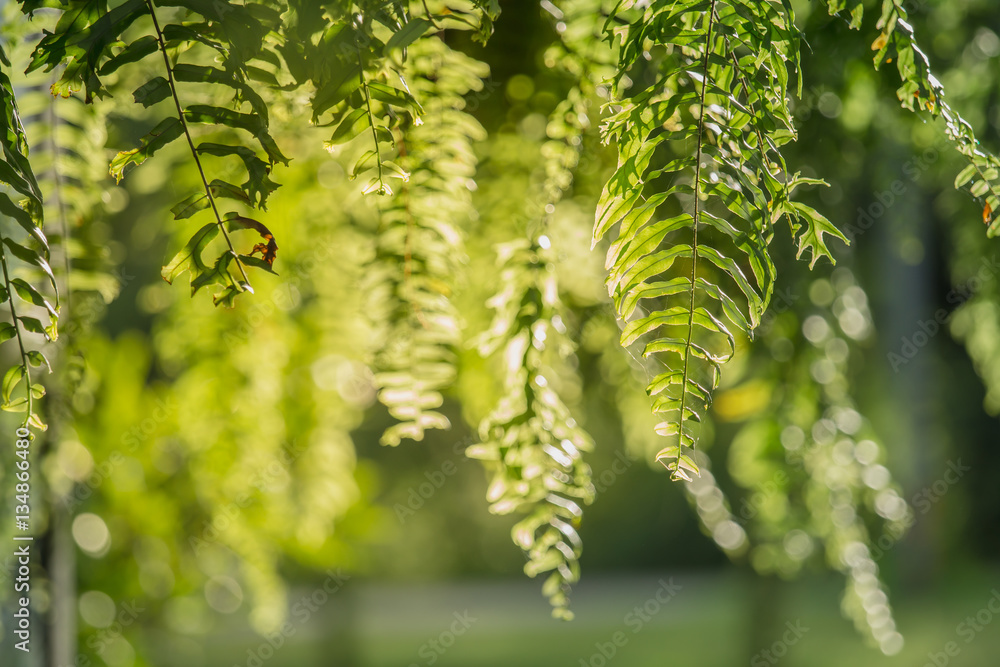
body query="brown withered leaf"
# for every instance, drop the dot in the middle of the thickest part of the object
(987, 214)
(269, 250)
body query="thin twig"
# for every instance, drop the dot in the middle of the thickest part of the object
(194, 151)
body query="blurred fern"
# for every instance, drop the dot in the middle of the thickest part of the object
(530, 442)
(18, 180)
(812, 464)
(420, 243)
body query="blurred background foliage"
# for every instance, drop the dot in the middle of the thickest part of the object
(214, 468)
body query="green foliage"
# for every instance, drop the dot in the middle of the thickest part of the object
(420, 244)
(352, 54)
(694, 100)
(17, 176)
(699, 185)
(89, 41)
(530, 442)
(922, 91)
(810, 459)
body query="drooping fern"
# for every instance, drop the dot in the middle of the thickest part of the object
(922, 91)
(699, 185)
(18, 180)
(810, 461)
(530, 442)
(420, 245)
(353, 54)
(89, 41)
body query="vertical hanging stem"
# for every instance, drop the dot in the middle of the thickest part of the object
(245, 286)
(11, 293)
(694, 239)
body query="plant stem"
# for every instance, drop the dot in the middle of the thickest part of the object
(194, 151)
(371, 116)
(694, 238)
(54, 122)
(17, 330)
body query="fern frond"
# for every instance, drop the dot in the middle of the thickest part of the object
(354, 57)
(530, 442)
(18, 180)
(922, 91)
(89, 41)
(809, 444)
(699, 185)
(420, 248)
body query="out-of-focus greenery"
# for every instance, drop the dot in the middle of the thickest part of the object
(212, 467)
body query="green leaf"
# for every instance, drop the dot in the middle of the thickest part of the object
(30, 256)
(16, 405)
(394, 97)
(10, 380)
(252, 123)
(816, 226)
(153, 91)
(354, 123)
(132, 53)
(165, 132)
(409, 33)
(36, 358)
(32, 296)
(33, 324)
(189, 258)
(36, 421)
(259, 185)
(190, 205)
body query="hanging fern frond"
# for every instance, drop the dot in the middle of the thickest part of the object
(353, 57)
(699, 185)
(922, 91)
(89, 42)
(27, 255)
(420, 246)
(812, 461)
(530, 442)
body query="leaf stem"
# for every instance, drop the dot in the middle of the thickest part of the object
(371, 116)
(17, 330)
(57, 188)
(194, 151)
(694, 233)
(430, 17)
